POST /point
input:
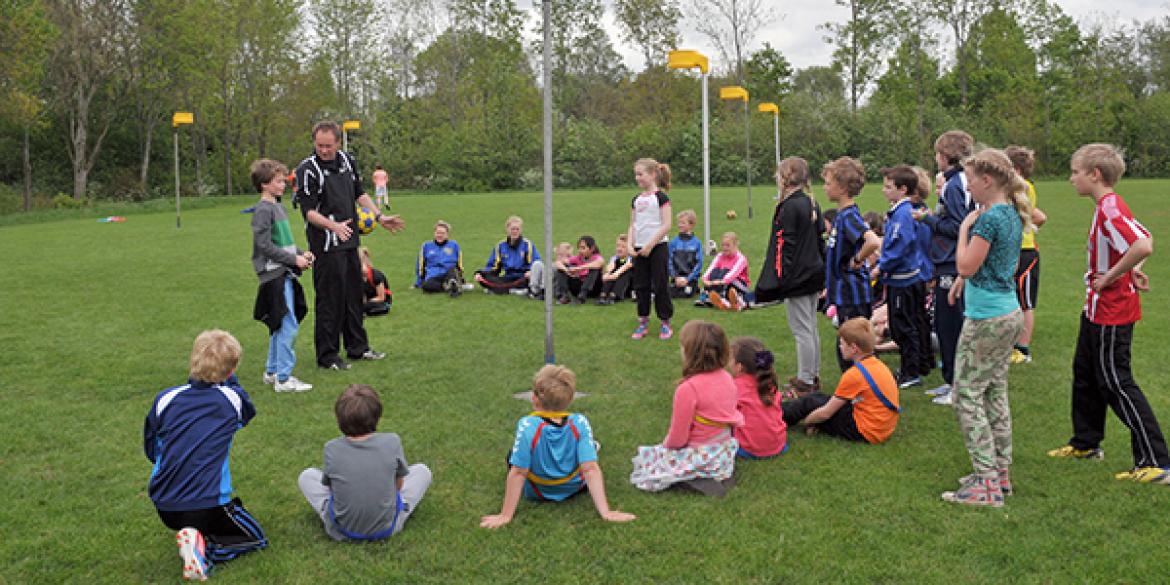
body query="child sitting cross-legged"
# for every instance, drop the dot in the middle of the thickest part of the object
(553, 457)
(699, 450)
(366, 490)
(726, 282)
(865, 406)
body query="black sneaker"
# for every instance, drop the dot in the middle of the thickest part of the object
(335, 365)
(453, 287)
(369, 356)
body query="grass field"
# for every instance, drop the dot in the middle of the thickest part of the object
(97, 318)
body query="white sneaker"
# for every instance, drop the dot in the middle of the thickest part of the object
(939, 390)
(292, 385)
(269, 379)
(193, 551)
(944, 399)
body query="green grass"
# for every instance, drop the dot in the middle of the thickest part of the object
(97, 318)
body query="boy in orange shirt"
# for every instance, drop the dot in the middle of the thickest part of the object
(865, 405)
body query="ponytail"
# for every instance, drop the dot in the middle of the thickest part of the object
(756, 360)
(663, 173)
(995, 164)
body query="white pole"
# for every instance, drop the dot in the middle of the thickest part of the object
(344, 139)
(549, 355)
(776, 131)
(178, 219)
(747, 152)
(708, 243)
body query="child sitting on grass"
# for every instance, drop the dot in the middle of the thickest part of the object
(699, 449)
(727, 277)
(865, 406)
(764, 433)
(366, 491)
(188, 437)
(618, 275)
(375, 290)
(686, 256)
(579, 277)
(553, 457)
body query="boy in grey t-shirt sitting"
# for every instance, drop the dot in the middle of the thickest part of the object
(366, 491)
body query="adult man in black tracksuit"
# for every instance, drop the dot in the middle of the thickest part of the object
(330, 188)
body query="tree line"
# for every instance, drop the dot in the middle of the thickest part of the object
(448, 95)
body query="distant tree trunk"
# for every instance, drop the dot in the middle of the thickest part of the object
(144, 172)
(227, 145)
(27, 165)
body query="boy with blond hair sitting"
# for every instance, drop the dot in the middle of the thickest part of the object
(554, 456)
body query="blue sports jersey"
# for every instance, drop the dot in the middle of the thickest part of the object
(556, 453)
(188, 436)
(845, 285)
(436, 260)
(901, 259)
(686, 257)
(512, 259)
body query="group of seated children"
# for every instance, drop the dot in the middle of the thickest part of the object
(366, 491)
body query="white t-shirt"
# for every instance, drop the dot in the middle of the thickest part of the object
(648, 217)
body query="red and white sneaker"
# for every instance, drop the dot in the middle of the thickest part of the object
(976, 491)
(193, 550)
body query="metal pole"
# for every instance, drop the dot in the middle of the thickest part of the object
(178, 220)
(710, 245)
(747, 155)
(345, 139)
(546, 74)
(776, 131)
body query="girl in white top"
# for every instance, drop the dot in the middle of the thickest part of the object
(649, 223)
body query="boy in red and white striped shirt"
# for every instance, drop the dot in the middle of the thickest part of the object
(1118, 245)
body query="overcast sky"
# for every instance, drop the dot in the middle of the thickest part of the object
(795, 34)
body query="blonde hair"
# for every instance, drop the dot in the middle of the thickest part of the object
(955, 146)
(734, 237)
(993, 163)
(660, 171)
(1023, 158)
(858, 331)
(554, 387)
(444, 225)
(793, 172)
(704, 347)
(846, 172)
(364, 254)
(214, 356)
(687, 214)
(564, 248)
(1102, 157)
(511, 220)
(924, 186)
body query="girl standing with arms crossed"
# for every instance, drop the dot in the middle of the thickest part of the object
(649, 224)
(985, 257)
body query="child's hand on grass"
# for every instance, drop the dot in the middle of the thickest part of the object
(617, 516)
(494, 521)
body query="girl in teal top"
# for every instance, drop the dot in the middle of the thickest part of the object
(987, 252)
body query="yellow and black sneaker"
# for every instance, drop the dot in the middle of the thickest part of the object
(1068, 451)
(1145, 475)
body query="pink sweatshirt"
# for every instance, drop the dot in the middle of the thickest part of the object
(764, 432)
(735, 264)
(580, 260)
(710, 395)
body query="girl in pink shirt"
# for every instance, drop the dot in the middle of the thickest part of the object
(764, 432)
(699, 446)
(579, 277)
(726, 282)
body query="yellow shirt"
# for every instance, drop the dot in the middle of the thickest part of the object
(1028, 242)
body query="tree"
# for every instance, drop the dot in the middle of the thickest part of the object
(650, 25)
(959, 16)
(495, 18)
(581, 52)
(343, 29)
(730, 25)
(858, 43)
(769, 74)
(28, 36)
(86, 65)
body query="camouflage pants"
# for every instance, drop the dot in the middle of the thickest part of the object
(981, 389)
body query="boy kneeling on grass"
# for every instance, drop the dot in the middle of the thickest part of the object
(553, 457)
(865, 406)
(366, 491)
(188, 436)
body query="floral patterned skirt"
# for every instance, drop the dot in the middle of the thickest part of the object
(657, 468)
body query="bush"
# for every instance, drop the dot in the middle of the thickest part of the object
(63, 201)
